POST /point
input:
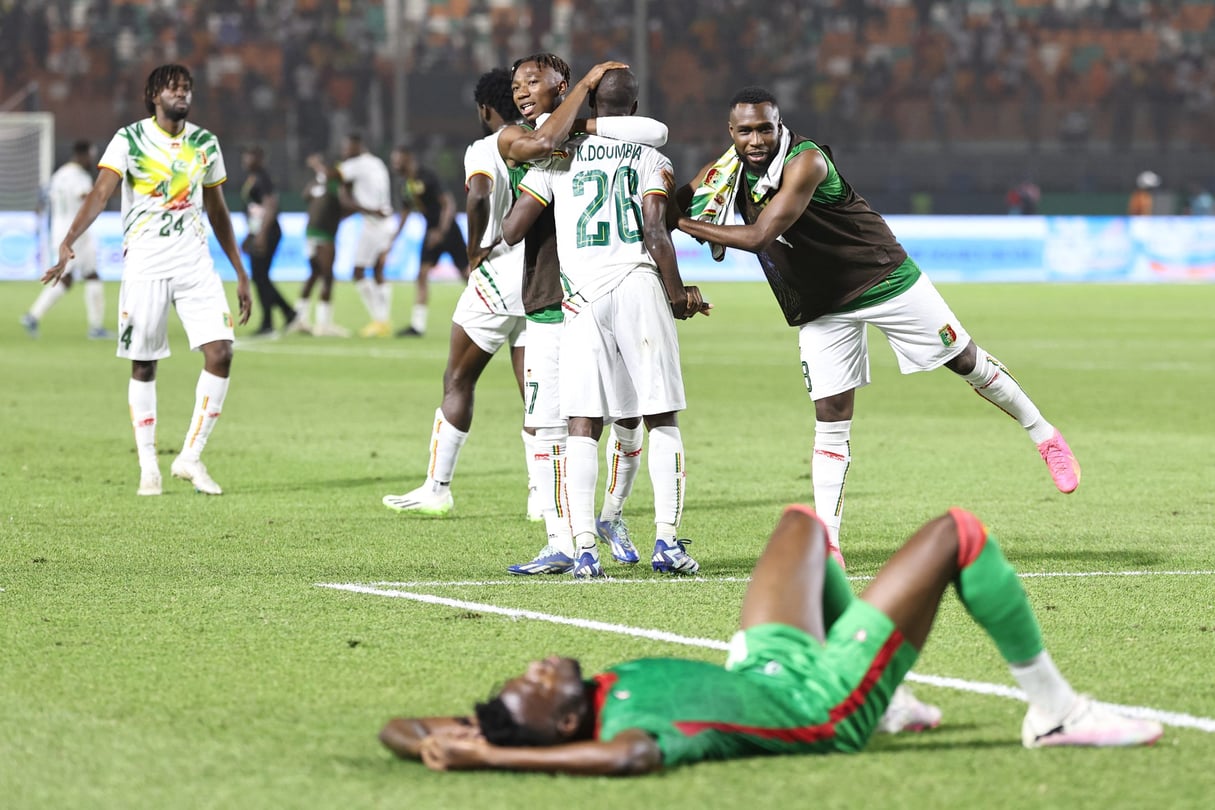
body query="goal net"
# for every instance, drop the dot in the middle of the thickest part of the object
(27, 158)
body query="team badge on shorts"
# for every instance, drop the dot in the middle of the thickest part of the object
(948, 336)
(228, 320)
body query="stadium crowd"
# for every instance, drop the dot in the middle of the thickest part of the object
(1008, 74)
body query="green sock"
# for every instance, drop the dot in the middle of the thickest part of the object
(993, 596)
(837, 593)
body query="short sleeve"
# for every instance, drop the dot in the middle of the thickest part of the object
(479, 160)
(115, 155)
(347, 169)
(652, 181)
(216, 171)
(538, 183)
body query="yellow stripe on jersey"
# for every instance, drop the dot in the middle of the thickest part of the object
(218, 182)
(111, 168)
(534, 195)
(650, 191)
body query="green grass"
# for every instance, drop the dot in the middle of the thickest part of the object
(175, 651)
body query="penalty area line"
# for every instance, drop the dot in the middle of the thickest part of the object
(957, 684)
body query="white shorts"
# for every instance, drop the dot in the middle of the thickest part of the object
(143, 313)
(489, 330)
(620, 354)
(541, 380)
(919, 325)
(375, 238)
(311, 243)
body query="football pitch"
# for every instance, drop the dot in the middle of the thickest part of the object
(243, 651)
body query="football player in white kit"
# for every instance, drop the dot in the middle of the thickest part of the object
(619, 348)
(70, 184)
(170, 171)
(368, 190)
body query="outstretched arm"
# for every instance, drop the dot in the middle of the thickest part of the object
(631, 753)
(221, 224)
(632, 128)
(801, 177)
(93, 205)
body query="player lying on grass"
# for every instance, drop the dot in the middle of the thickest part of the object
(810, 671)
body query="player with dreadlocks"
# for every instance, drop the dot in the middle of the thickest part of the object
(171, 172)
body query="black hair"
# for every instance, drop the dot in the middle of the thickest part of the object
(354, 136)
(548, 60)
(616, 93)
(162, 77)
(493, 91)
(82, 147)
(499, 726)
(753, 95)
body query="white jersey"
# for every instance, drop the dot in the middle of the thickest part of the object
(370, 184)
(597, 190)
(70, 184)
(163, 177)
(499, 279)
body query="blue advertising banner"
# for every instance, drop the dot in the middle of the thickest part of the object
(989, 248)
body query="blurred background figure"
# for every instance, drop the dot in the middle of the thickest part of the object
(1023, 198)
(1198, 201)
(1142, 201)
(261, 218)
(70, 184)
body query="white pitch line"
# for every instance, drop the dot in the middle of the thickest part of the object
(977, 687)
(532, 581)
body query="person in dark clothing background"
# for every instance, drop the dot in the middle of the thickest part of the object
(261, 214)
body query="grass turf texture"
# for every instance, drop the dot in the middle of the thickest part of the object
(175, 651)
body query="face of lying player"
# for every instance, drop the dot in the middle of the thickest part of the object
(537, 89)
(549, 698)
(755, 129)
(173, 100)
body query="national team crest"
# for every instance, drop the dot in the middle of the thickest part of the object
(228, 319)
(948, 336)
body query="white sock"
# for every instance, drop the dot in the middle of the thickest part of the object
(1045, 685)
(94, 302)
(529, 460)
(324, 313)
(828, 472)
(385, 301)
(371, 299)
(445, 444)
(209, 397)
(418, 319)
(46, 299)
(623, 456)
(141, 397)
(549, 467)
(668, 476)
(303, 308)
(991, 380)
(581, 475)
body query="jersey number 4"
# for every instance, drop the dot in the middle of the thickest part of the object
(623, 187)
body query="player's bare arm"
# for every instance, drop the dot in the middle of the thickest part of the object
(221, 224)
(523, 146)
(630, 753)
(802, 175)
(480, 187)
(103, 188)
(404, 735)
(685, 301)
(519, 220)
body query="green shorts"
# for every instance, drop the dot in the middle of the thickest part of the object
(846, 682)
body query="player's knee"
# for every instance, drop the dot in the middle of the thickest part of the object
(218, 356)
(943, 533)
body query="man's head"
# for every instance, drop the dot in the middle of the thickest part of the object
(352, 145)
(403, 160)
(616, 93)
(251, 157)
(170, 89)
(83, 152)
(755, 126)
(538, 83)
(546, 705)
(495, 102)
